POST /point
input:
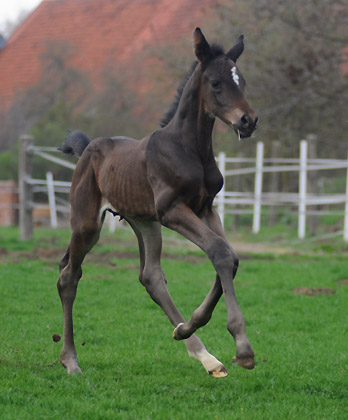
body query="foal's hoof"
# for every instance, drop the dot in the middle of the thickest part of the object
(246, 362)
(176, 335)
(72, 368)
(220, 372)
(75, 371)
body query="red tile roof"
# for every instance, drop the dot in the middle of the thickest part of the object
(100, 31)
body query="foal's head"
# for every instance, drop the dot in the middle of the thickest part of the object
(223, 85)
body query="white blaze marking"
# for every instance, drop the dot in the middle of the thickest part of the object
(235, 76)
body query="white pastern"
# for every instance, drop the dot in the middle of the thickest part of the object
(235, 76)
(209, 362)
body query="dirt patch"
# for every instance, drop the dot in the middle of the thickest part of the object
(343, 282)
(243, 248)
(44, 254)
(53, 255)
(310, 291)
(3, 251)
(108, 258)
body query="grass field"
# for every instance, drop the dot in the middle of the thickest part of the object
(133, 369)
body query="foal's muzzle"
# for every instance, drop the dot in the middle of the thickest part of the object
(246, 125)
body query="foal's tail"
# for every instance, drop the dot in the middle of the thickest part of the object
(75, 143)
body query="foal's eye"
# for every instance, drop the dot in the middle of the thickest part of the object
(215, 84)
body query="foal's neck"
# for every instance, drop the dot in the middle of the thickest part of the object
(194, 124)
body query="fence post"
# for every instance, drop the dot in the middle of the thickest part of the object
(25, 190)
(258, 187)
(51, 199)
(237, 185)
(312, 183)
(302, 190)
(112, 223)
(345, 228)
(221, 195)
(275, 182)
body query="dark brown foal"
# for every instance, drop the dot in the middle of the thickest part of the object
(169, 178)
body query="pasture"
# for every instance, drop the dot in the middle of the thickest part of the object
(133, 369)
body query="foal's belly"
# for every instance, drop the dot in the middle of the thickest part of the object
(124, 184)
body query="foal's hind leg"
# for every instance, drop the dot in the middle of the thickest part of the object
(152, 277)
(81, 242)
(86, 227)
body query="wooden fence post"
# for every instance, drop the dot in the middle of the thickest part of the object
(25, 189)
(302, 190)
(258, 187)
(237, 186)
(275, 182)
(221, 195)
(345, 226)
(52, 200)
(312, 183)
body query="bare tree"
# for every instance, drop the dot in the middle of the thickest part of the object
(115, 109)
(65, 98)
(60, 85)
(293, 66)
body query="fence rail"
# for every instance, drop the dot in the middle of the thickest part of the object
(302, 199)
(227, 202)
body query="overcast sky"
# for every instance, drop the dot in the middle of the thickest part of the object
(10, 9)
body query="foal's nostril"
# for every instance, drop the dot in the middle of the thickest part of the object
(248, 122)
(245, 120)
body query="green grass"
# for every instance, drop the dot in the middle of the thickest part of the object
(132, 367)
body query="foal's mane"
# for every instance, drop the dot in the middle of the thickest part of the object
(216, 50)
(168, 116)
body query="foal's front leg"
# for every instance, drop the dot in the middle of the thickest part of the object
(203, 313)
(182, 219)
(152, 277)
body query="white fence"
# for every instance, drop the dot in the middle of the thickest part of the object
(226, 201)
(302, 199)
(29, 185)
(51, 186)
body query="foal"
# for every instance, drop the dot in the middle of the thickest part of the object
(168, 178)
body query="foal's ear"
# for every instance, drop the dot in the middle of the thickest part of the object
(237, 49)
(202, 48)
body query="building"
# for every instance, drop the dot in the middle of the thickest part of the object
(98, 31)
